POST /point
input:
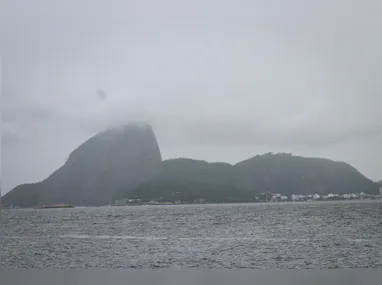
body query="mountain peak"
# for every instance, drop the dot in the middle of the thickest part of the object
(120, 157)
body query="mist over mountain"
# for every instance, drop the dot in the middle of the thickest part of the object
(120, 157)
(126, 162)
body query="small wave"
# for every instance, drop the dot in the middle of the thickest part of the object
(359, 240)
(242, 238)
(184, 238)
(114, 237)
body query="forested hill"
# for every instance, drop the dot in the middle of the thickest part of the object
(126, 162)
(188, 179)
(290, 174)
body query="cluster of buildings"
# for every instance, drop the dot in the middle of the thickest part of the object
(132, 202)
(127, 201)
(330, 196)
(264, 197)
(277, 197)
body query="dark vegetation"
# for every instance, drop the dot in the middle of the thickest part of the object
(189, 180)
(126, 162)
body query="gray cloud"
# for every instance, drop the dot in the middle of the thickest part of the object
(221, 80)
(24, 115)
(8, 138)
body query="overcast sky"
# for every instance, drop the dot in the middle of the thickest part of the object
(218, 80)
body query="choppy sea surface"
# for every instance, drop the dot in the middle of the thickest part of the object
(311, 235)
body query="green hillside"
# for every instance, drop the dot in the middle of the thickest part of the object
(188, 179)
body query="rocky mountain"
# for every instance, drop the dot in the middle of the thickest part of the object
(123, 157)
(25, 195)
(189, 180)
(126, 162)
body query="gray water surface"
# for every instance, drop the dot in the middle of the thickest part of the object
(262, 236)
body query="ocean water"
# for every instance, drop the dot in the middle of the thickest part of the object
(311, 235)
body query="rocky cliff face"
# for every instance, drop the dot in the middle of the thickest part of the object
(123, 157)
